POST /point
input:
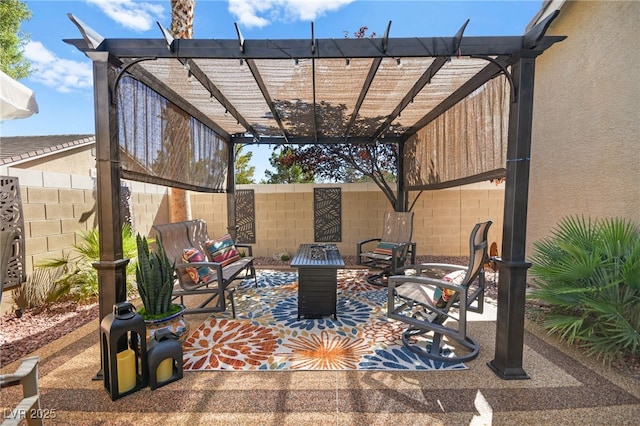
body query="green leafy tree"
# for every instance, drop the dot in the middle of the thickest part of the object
(284, 160)
(588, 272)
(12, 40)
(244, 172)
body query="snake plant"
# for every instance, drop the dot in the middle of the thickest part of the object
(154, 278)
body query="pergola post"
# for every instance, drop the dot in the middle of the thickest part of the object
(401, 197)
(232, 227)
(111, 267)
(507, 363)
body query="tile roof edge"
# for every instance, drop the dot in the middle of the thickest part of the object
(43, 152)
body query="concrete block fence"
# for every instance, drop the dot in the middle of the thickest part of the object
(54, 203)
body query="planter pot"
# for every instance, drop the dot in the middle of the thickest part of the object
(174, 323)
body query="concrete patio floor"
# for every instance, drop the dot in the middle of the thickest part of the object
(565, 388)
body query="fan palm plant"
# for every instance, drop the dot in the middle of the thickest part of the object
(589, 273)
(77, 275)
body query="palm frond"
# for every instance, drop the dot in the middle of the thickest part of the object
(589, 272)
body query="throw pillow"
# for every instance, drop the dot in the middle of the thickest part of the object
(384, 248)
(222, 250)
(201, 274)
(442, 295)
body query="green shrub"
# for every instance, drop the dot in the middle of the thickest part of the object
(78, 278)
(589, 274)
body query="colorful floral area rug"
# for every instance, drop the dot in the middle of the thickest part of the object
(267, 335)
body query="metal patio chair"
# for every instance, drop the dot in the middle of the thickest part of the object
(29, 407)
(391, 250)
(435, 301)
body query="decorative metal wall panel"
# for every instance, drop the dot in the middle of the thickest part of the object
(13, 219)
(327, 214)
(246, 216)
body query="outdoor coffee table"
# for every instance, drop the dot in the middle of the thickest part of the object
(318, 266)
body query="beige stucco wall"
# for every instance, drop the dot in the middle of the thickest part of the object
(77, 161)
(585, 156)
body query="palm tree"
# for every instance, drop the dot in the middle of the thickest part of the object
(182, 13)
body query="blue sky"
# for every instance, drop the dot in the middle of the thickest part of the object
(63, 80)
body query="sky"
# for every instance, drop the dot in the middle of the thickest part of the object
(63, 78)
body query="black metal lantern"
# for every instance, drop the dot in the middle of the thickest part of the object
(165, 359)
(124, 351)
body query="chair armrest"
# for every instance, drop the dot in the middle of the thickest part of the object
(427, 281)
(441, 266)
(363, 242)
(27, 371)
(360, 243)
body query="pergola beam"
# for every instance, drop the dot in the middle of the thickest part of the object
(202, 77)
(267, 97)
(321, 140)
(417, 47)
(408, 98)
(373, 69)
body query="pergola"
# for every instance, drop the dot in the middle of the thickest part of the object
(459, 109)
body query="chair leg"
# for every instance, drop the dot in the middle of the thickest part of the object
(434, 350)
(233, 304)
(255, 276)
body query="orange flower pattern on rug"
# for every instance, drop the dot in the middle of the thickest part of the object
(230, 344)
(267, 335)
(326, 352)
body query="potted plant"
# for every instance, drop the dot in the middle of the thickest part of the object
(155, 279)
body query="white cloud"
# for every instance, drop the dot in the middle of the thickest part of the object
(135, 15)
(63, 75)
(259, 13)
(308, 10)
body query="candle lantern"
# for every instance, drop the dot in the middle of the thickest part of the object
(124, 351)
(164, 359)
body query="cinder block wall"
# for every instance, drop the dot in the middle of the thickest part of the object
(54, 203)
(284, 216)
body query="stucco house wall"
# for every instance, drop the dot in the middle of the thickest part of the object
(585, 155)
(79, 161)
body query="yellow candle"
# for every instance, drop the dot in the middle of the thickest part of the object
(165, 370)
(126, 370)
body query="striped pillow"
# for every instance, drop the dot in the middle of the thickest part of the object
(385, 249)
(222, 250)
(200, 274)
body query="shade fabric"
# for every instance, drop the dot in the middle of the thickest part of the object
(163, 145)
(16, 99)
(466, 144)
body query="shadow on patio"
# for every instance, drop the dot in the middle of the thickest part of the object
(565, 388)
